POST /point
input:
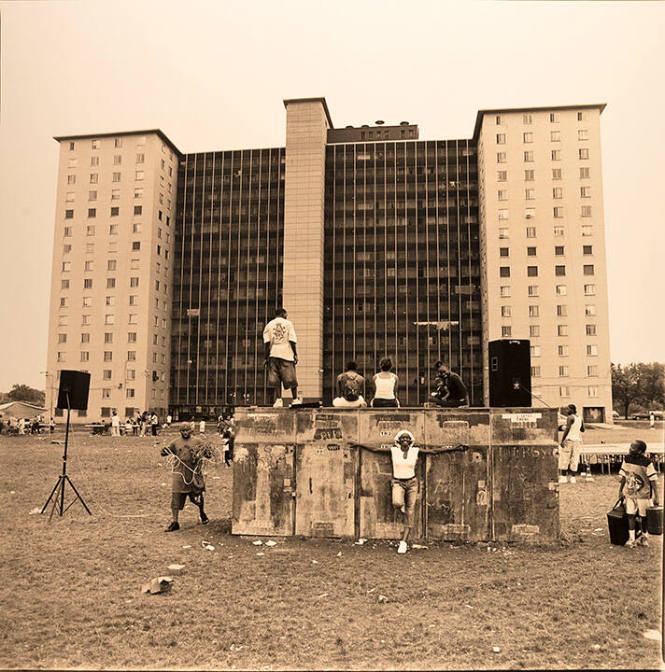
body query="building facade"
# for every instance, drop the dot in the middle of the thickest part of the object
(543, 242)
(112, 276)
(375, 241)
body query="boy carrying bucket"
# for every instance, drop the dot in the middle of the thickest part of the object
(638, 484)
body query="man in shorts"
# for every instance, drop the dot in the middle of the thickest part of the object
(571, 444)
(187, 479)
(639, 483)
(279, 338)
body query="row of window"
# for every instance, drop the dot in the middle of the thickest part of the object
(115, 212)
(91, 230)
(527, 118)
(557, 174)
(558, 211)
(564, 371)
(93, 194)
(555, 136)
(111, 284)
(534, 330)
(559, 251)
(561, 310)
(108, 357)
(558, 231)
(94, 160)
(559, 270)
(560, 290)
(563, 350)
(96, 143)
(132, 300)
(109, 319)
(557, 194)
(555, 155)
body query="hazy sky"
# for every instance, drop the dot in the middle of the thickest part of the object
(212, 76)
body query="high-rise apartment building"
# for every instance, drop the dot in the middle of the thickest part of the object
(112, 277)
(375, 241)
(543, 242)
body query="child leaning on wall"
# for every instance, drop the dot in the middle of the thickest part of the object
(639, 483)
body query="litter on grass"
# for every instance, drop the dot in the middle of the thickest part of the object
(315, 562)
(33, 511)
(258, 542)
(383, 599)
(161, 584)
(496, 649)
(652, 634)
(209, 547)
(360, 542)
(339, 555)
(271, 543)
(187, 546)
(175, 567)
(418, 546)
(260, 553)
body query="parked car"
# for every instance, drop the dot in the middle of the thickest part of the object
(658, 415)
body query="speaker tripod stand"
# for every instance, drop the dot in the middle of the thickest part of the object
(58, 492)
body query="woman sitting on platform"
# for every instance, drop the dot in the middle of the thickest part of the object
(385, 386)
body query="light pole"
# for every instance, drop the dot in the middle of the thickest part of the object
(48, 391)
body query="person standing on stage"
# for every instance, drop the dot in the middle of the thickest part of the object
(279, 338)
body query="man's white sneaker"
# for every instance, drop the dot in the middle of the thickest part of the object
(642, 541)
(573, 479)
(278, 403)
(402, 547)
(631, 543)
(297, 402)
(563, 479)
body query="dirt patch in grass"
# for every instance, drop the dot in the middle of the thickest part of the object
(71, 587)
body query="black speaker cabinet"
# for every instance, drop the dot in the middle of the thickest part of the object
(510, 372)
(76, 386)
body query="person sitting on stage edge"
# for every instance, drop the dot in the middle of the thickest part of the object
(385, 386)
(404, 455)
(279, 338)
(451, 391)
(187, 479)
(350, 386)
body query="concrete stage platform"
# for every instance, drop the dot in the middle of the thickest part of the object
(295, 473)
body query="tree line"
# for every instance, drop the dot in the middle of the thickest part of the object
(638, 384)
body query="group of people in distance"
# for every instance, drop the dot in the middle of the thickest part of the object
(281, 358)
(21, 426)
(143, 423)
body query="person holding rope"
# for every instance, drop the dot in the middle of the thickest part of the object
(187, 481)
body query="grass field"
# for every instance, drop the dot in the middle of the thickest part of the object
(72, 598)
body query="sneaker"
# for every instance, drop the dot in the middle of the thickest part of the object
(573, 479)
(296, 402)
(278, 403)
(173, 527)
(563, 479)
(631, 543)
(204, 519)
(402, 547)
(642, 541)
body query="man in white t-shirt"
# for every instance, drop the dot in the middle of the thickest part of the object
(571, 444)
(115, 424)
(279, 338)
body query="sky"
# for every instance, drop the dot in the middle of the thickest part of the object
(213, 74)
